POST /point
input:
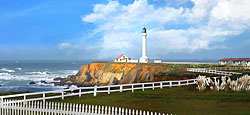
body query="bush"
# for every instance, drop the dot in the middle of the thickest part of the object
(176, 74)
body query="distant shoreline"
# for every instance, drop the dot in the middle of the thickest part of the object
(174, 62)
(190, 63)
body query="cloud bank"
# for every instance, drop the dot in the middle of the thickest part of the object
(177, 29)
(170, 30)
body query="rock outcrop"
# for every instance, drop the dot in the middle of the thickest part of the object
(108, 73)
(32, 83)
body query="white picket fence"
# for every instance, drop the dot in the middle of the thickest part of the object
(210, 71)
(230, 68)
(37, 96)
(57, 108)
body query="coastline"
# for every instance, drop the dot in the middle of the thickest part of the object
(190, 63)
(46, 87)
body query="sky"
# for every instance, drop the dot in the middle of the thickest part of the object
(104, 29)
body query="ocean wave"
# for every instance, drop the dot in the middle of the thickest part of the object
(73, 87)
(7, 70)
(6, 76)
(27, 78)
(38, 73)
(9, 79)
(19, 69)
(38, 76)
(45, 84)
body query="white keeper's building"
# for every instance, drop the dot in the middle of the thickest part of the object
(235, 61)
(124, 58)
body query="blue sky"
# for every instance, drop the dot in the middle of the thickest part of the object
(104, 29)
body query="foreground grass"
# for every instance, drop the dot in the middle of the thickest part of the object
(176, 100)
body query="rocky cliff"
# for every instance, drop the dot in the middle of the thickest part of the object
(108, 73)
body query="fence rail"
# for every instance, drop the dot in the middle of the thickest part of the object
(38, 96)
(57, 108)
(208, 70)
(230, 68)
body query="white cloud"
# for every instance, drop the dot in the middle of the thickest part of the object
(185, 40)
(230, 13)
(119, 42)
(101, 12)
(201, 10)
(233, 13)
(120, 26)
(79, 50)
(64, 45)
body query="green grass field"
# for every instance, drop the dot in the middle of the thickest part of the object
(175, 100)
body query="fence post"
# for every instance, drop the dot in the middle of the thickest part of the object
(170, 83)
(95, 90)
(120, 88)
(187, 82)
(80, 92)
(153, 85)
(161, 85)
(24, 98)
(1, 101)
(179, 83)
(62, 95)
(43, 97)
(108, 89)
(132, 88)
(142, 87)
(7, 106)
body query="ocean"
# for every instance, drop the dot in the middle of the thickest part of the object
(15, 76)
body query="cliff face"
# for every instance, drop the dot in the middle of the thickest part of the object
(114, 73)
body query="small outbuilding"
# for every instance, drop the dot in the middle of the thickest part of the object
(157, 61)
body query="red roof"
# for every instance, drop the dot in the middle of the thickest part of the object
(226, 59)
(235, 59)
(119, 56)
(241, 59)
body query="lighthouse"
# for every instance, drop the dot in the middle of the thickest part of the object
(144, 58)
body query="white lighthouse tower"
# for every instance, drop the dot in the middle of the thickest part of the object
(144, 58)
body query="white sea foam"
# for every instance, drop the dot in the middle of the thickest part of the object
(72, 87)
(19, 82)
(38, 76)
(38, 73)
(7, 76)
(45, 84)
(19, 69)
(7, 70)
